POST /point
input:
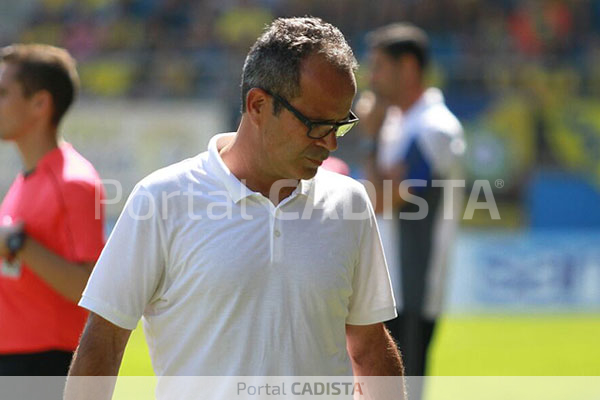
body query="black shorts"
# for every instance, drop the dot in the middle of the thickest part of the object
(49, 363)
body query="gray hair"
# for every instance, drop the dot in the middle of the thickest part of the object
(274, 60)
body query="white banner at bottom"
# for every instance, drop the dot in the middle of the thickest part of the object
(302, 388)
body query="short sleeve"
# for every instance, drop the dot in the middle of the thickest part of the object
(131, 265)
(443, 149)
(84, 217)
(372, 299)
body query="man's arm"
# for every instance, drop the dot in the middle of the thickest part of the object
(373, 351)
(371, 109)
(99, 353)
(395, 198)
(376, 360)
(67, 278)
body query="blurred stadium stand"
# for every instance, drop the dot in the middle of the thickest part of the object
(520, 74)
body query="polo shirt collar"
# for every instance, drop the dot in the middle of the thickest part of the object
(236, 189)
(306, 188)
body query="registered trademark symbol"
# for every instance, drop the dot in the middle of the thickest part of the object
(499, 183)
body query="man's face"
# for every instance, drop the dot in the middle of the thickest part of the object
(386, 74)
(14, 106)
(326, 95)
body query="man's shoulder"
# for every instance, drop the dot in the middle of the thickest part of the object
(72, 172)
(436, 117)
(177, 176)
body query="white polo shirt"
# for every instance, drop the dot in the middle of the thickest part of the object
(229, 284)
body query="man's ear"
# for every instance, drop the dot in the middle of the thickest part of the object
(42, 104)
(258, 104)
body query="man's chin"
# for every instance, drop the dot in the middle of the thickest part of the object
(309, 172)
(304, 172)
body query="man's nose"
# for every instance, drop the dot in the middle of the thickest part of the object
(329, 142)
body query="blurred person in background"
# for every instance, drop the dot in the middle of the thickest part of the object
(414, 137)
(269, 292)
(335, 164)
(51, 231)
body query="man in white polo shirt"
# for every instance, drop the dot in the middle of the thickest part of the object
(249, 259)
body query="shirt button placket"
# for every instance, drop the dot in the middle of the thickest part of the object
(277, 236)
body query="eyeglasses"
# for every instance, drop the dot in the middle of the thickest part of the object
(318, 129)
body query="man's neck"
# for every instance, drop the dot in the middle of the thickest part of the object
(237, 156)
(33, 147)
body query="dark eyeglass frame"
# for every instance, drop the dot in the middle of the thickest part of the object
(348, 123)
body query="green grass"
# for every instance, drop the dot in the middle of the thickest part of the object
(136, 377)
(136, 360)
(517, 345)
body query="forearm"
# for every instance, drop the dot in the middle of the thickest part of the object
(67, 278)
(372, 114)
(376, 362)
(382, 359)
(100, 349)
(97, 360)
(94, 360)
(385, 193)
(376, 193)
(371, 110)
(93, 374)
